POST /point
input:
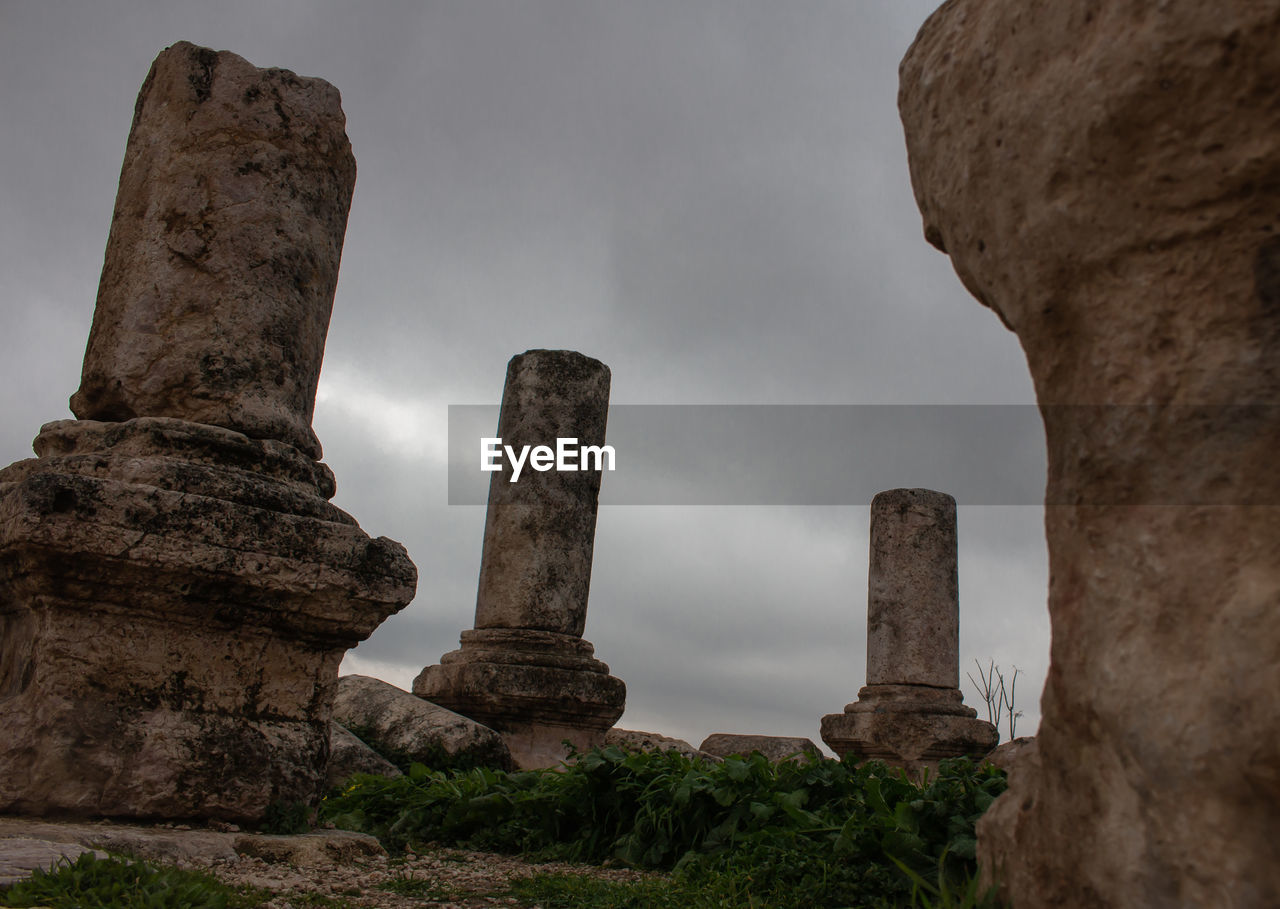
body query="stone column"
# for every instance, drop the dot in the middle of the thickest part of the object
(911, 712)
(176, 590)
(223, 256)
(913, 591)
(1106, 178)
(525, 669)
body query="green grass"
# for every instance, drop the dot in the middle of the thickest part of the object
(122, 883)
(745, 832)
(405, 884)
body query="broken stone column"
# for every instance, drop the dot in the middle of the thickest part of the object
(234, 192)
(911, 713)
(525, 669)
(176, 590)
(1106, 178)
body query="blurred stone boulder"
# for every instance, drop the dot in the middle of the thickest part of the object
(1105, 177)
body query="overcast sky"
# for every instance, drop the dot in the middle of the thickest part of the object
(710, 197)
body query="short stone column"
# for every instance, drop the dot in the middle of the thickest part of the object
(176, 590)
(525, 669)
(911, 712)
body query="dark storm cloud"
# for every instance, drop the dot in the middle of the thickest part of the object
(711, 197)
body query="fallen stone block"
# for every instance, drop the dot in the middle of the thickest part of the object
(408, 729)
(349, 755)
(774, 747)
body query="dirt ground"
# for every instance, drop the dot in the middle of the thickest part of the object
(452, 878)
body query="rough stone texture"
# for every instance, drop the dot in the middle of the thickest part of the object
(402, 724)
(223, 255)
(175, 596)
(635, 740)
(774, 747)
(349, 755)
(1106, 177)
(911, 712)
(525, 669)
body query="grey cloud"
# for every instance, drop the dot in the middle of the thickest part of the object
(709, 196)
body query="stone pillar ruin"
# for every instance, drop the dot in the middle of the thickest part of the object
(525, 669)
(1106, 178)
(176, 590)
(911, 713)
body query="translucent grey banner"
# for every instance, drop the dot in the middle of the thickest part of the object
(845, 454)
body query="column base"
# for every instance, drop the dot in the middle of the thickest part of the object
(909, 726)
(174, 601)
(536, 688)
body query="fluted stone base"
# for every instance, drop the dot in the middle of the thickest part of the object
(174, 601)
(537, 688)
(909, 726)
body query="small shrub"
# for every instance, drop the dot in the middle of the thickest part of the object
(998, 695)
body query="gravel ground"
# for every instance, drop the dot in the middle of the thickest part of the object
(436, 877)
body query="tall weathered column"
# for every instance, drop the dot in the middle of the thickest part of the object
(525, 669)
(176, 590)
(1106, 177)
(911, 712)
(223, 256)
